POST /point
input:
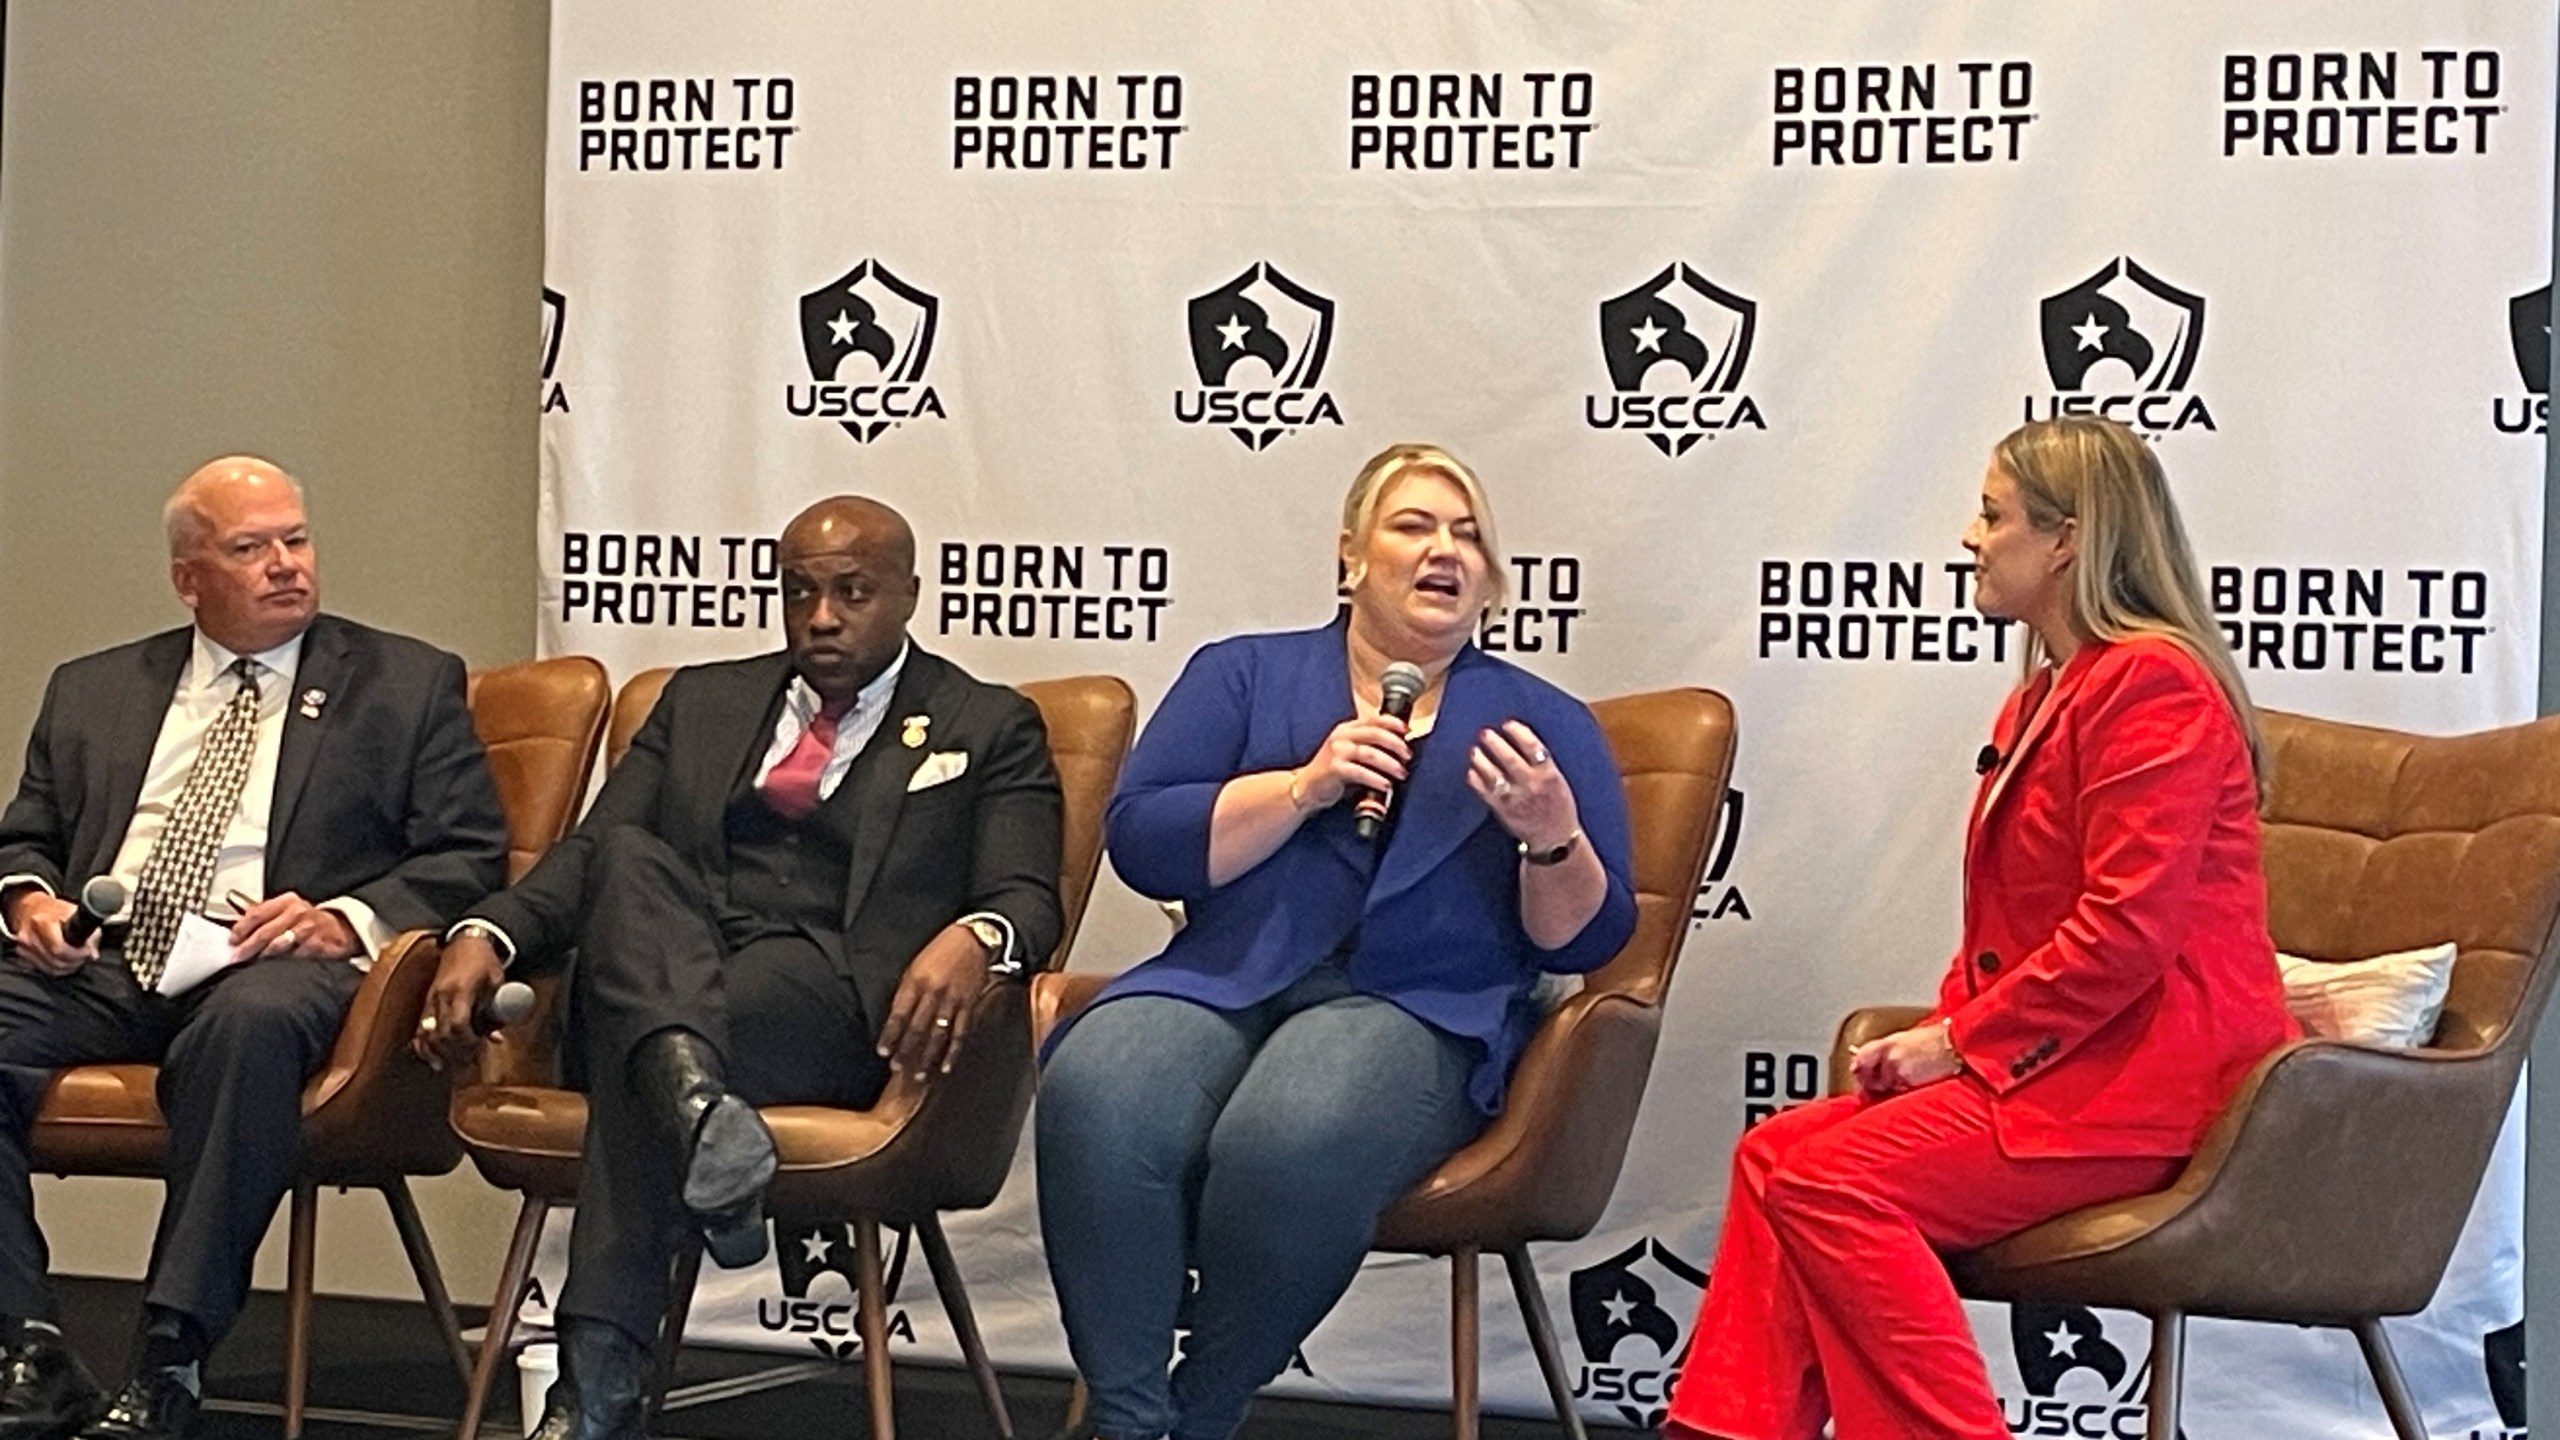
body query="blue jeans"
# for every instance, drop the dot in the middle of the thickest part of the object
(1256, 1147)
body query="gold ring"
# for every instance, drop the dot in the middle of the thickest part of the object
(941, 1022)
(426, 1024)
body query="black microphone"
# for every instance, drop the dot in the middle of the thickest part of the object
(1398, 688)
(504, 1006)
(102, 902)
(1987, 761)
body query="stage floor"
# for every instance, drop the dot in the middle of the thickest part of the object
(377, 1369)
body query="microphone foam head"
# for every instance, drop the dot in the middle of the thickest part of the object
(104, 896)
(512, 1003)
(1403, 678)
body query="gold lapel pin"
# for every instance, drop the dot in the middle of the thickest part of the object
(312, 700)
(911, 731)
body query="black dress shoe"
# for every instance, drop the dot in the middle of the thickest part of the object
(45, 1392)
(154, 1405)
(603, 1380)
(728, 1152)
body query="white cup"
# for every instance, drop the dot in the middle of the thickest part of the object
(537, 1365)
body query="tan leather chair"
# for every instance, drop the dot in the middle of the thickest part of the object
(1544, 1168)
(916, 1152)
(373, 1116)
(2333, 1187)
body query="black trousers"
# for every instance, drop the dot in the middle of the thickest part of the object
(234, 1053)
(656, 952)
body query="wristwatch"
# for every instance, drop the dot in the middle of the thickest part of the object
(1001, 962)
(1555, 856)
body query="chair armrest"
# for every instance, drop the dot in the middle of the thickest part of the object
(383, 1015)
(375, 1110)
(1059, 997)
(945, 1143)
(1872, 1023)
(1545, 1166)
(2328, 1150)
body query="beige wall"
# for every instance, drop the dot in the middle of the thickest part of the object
(310, 229)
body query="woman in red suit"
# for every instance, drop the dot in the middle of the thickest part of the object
(2115, 982)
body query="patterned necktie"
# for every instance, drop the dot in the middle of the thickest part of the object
(791, 787)
(180, 868)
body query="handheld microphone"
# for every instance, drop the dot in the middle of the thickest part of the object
(505, 1006)
(1398, 688)
(102, 901)
(1987, 760)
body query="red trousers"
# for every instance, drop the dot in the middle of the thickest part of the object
(1827, 1299)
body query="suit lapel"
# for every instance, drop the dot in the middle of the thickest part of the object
(2039, 724)
(1322, 685)
(133, 730)
(735, 725)
(1440, 812)
(324, 670)
(880, 773)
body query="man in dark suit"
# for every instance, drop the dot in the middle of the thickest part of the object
(806, 871)
(313, 783)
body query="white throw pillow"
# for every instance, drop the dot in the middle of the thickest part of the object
(2387, 1000)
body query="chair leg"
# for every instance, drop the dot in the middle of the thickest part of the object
(1542, 1337)
(2168, 1365)
(422, 1261)
(2397, 1402)
(964, 1321)
(300, 1256)
(683, 1274)
(513, 1279)
(1464, 1348)
(871, 1288)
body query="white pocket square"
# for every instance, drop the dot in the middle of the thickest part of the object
(939, 767)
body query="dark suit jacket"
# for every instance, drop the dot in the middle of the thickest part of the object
(385, 796)
(2116, 981)
(987, 840)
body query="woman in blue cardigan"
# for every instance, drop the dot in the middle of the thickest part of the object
(1339, 1014)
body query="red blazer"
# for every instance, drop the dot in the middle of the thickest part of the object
(2116, 981)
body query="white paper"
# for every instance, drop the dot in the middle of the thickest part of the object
(201, 951)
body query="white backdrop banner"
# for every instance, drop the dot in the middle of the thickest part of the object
(1727, 303)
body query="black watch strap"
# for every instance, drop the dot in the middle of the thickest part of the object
(1554, 856)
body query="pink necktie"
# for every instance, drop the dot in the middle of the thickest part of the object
(791, 787)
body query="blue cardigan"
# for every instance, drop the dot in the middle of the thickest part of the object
(1438, 922)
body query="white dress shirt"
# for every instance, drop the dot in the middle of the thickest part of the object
(205, 690)
(853, 730)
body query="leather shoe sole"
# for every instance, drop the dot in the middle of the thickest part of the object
(733, 1160)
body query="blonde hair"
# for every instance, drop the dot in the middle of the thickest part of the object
(2136, 573)
(1369, 491)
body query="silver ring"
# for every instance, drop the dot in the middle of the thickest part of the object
(285, 940)
(1538, 756)
(941, 1022)
(1501, 787)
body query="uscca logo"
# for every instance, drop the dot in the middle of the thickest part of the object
(1719, 898)
(802, 1253)
(2529, 330)
(2077, 1379)
(555, 318)
(870, 313)
(2502, 1355)
(1261, 326)
(2122, 344)
(1645, 1294)
(1703, 332)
